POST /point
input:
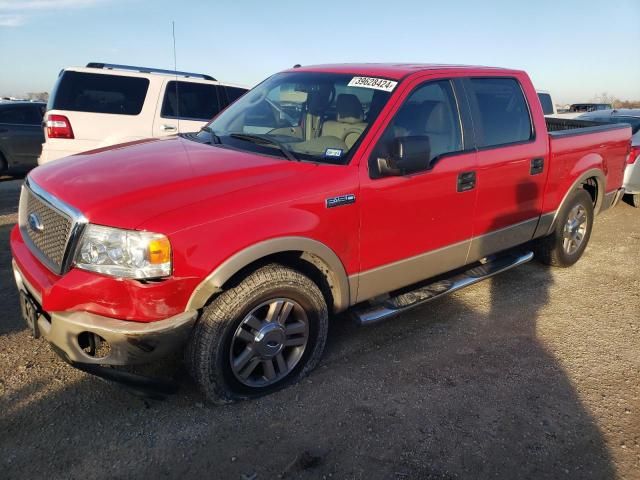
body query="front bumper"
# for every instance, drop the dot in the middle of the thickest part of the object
(128, 342)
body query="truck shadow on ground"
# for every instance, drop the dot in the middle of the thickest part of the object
(446, 391)
(459, 388)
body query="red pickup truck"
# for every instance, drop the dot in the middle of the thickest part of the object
(373, 188)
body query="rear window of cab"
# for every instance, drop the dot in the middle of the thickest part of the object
(99, 93)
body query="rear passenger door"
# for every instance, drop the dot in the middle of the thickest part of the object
(512, 169)
(187, 107)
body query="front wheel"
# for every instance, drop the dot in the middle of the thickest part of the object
(635, 200)
(566, 244)
(258, 337)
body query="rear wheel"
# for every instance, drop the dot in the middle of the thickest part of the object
(258, 337)
(635, 200)
(571, 234)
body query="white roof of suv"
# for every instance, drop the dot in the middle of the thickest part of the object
(105, 104)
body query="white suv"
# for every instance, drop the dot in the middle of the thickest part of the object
(104, 104)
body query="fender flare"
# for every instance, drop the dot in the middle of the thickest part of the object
(313, 250)
(601, 182)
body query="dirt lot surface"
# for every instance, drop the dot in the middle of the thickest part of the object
(535, 374)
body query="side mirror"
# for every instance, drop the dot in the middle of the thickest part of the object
(408, 155)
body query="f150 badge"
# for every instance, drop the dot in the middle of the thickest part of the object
(341, 200)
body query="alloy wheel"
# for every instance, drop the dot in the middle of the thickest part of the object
(575, 229)
(269, 342)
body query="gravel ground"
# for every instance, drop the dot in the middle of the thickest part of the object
(534, 374)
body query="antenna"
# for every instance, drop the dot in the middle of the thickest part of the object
(175, 69)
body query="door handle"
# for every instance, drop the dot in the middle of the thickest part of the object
(537, 166)
(167, 128)
(466, 181)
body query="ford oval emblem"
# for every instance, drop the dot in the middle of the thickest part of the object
(35, 223)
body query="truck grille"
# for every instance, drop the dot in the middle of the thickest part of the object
(46, 228)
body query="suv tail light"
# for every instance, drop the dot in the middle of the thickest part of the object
(58, 126)
(634, 154)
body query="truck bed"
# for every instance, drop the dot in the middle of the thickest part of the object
(567, 126)
(578, 146)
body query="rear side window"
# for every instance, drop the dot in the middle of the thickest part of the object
(191, 101)
(547, 104)
(21, 115)
(234, 93)
(89, 92)
(502, 115)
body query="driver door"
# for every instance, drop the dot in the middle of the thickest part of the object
(417, 225)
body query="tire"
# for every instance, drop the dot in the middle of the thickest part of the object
(275, 316)
(566, 244)
(635, 200)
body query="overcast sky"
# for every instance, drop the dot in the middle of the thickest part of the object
(575, 49)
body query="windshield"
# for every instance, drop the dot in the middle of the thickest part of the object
(302, 116)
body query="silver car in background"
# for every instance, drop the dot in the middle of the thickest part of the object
(632, 172)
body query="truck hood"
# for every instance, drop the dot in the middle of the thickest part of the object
(126, 185)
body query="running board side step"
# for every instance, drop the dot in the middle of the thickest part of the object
(393, 306)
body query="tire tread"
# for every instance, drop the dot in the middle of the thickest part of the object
(549, 250)
(210, 329)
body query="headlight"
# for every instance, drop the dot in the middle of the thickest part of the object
(124, 253)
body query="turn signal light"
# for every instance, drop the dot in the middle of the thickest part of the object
(58, 126)
(159, 251)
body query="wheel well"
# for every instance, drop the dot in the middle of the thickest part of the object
(306, 263)
(591, 186)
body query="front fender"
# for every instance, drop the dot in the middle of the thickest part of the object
(335, 271)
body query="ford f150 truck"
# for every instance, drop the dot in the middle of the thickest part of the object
(373, 188)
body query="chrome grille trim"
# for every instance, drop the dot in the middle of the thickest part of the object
(57, 253)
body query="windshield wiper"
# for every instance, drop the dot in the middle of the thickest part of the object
(215, 139)
(266, 141)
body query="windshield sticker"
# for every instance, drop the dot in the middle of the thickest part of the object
(333, 152)
(375, 83)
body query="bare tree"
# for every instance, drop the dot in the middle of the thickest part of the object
(43, 96)
(604, 97)
(627, 104)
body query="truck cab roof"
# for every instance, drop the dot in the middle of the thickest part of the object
(397, 71)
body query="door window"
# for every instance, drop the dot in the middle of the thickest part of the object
(191, 101)
(547, 104)
(430, 112)
(502, 115)
(21, 115)
(233, 93)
